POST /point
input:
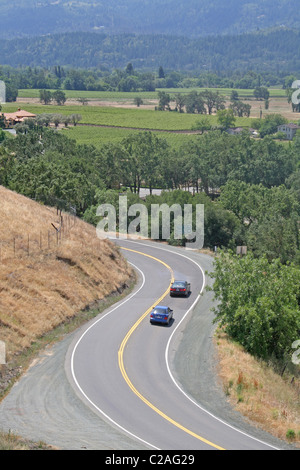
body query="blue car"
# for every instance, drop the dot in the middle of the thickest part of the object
(161, 314)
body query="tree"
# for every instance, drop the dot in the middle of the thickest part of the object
(75, 118)
(138, 101)
(11, 92)
(6, 163)
(194, 102)
(275, 237)
(74, 80)
(261, 93)
(268, 218)
(128, 83)
(2, 119)
(240, 109)
(202, 124)
(83, 101)
(251, 202)
(270, 124)
(161, 73)
(226, 118)
(44, 119)
(109, 164)
(144, 153)
(129, 69)
(180, 102)
(213, 100)
(45, 96)
(174, 169)
(66, 120)
(234, 96)
(60, 97)
(257, 303)
(164, 101)
(57, 119)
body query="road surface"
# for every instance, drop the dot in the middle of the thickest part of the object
(122, 383)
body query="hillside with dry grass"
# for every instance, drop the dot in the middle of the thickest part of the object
(267, 399)
(52, 266)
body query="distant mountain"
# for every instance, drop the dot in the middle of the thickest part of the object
(275, 52)
(192, 18)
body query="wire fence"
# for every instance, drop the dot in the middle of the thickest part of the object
(29, 244)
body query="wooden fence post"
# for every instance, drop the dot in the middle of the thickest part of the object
(2, 357)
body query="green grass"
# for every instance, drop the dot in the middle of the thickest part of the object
(244, 93)
(146, 95)
(99, 136)
(94, 95)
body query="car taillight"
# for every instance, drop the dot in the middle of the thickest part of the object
(165, 318)
(172, 289)
(182, 290)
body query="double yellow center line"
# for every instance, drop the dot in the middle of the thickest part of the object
(122, 367)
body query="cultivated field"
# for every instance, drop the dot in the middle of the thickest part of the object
(111, 116)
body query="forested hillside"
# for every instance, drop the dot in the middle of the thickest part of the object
(44, 164)
(189, 18)
(276, 51)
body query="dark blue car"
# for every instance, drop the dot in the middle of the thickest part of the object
(180, 288)
(161, 314)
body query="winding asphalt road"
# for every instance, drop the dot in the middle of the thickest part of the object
(122, 383)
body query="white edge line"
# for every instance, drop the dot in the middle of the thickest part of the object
(74, 375)
(170, 339)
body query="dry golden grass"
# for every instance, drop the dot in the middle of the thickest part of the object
(277, 105)
(57, 278)
(12, 442)
(270, 401)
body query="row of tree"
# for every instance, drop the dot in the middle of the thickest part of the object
(206, 165)
(205, 102)
(46, 96)
(129, 79)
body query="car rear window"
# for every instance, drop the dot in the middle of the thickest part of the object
(159, 310)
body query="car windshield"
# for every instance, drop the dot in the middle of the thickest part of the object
(178, 284)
